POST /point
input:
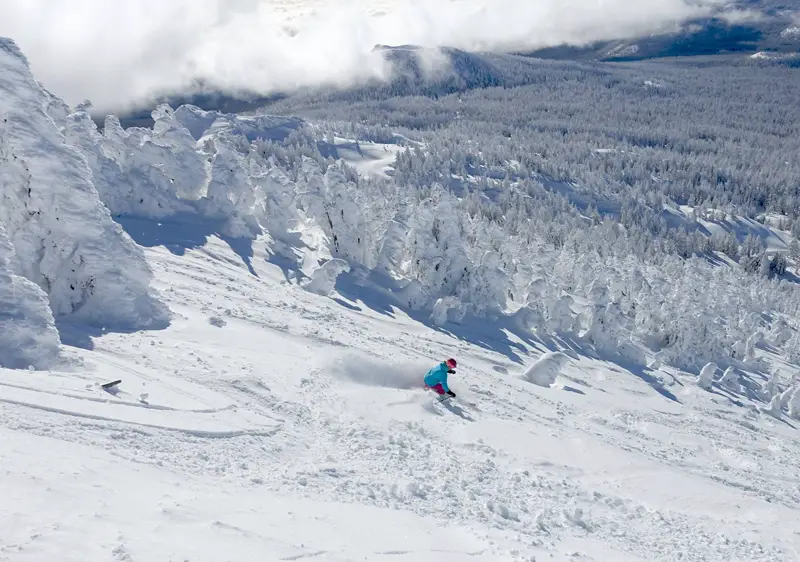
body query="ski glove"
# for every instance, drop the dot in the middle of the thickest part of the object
(451, 372)
(451, 394)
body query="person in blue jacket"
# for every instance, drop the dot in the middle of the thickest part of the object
(436, 379)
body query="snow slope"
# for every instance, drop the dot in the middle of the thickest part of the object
(271, 423)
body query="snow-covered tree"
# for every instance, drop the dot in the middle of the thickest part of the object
(436, 250)
(781, 332)
(771, 387)
(28, 335)
(64, 238)
(560, 316)
(730, 380)
(323, 279)
(391, 249)
(794, 403)
(544, 372)
(330, 198)
(774, 407)
(794, 250)
(706, 378)
(778, 264)
(231, 196)
(485, 286)
(448, 309)
(752, 343)
(605, 328)
(145, 190)
(278, 192)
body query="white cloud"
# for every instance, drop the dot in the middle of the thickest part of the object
(121, 53)
(742, 16)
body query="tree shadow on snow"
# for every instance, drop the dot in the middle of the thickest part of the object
(242, 247)
(183, 232)
(750, 394)
(287, 255)
(347, 305)
(636, 370)
(75, 334)
(370, 293)
(381, 294)
(491, 336)
(568, 388)
(642, 373)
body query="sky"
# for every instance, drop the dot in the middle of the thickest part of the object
(121, 54)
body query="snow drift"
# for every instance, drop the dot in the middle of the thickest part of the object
(63, 238)
(546, 369)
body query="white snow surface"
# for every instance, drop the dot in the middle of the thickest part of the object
(270, 423)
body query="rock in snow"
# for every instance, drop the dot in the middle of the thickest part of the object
(546, 370)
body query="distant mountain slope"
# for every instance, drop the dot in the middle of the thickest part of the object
(750, 27)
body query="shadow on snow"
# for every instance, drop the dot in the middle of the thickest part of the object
(178, 234)
(76, 334)
(381, 294)
(183, 232)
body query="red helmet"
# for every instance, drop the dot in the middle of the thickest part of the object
(451, 363)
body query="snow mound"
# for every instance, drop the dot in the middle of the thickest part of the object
(28, 335)
(706, 378)
(730, 380)
(546, 370)
(323, 280)
(63, 237)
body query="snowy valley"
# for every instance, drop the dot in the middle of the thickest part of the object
(270, 288)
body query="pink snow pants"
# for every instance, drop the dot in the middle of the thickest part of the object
(437, 388)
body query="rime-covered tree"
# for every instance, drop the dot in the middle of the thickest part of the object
(28, 335)
(63, 236)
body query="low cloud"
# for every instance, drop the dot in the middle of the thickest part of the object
(743, 16)
(122, 54)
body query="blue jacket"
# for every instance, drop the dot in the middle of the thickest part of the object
(438, 375)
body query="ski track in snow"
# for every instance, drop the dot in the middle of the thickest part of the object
(273, 434)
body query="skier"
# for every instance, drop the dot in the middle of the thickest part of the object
(436, 379)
